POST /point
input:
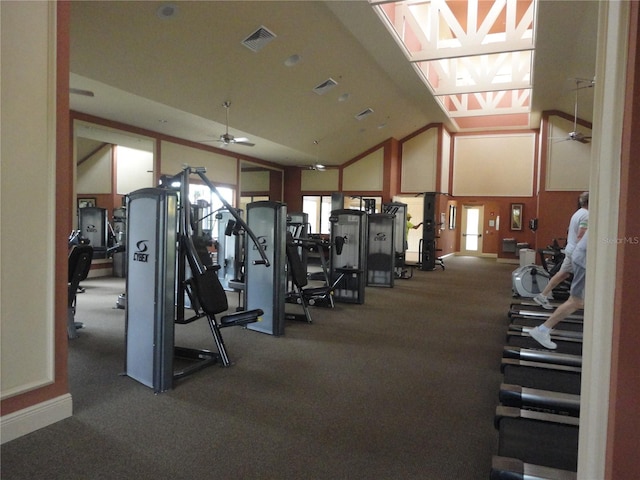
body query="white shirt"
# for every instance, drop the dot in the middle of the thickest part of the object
(579, 220)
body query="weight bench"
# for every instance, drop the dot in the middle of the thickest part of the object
(309, 295)
(79, 265)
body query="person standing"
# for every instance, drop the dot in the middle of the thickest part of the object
(542, 333)
(577, 228)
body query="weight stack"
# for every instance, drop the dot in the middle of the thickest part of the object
(428, 260)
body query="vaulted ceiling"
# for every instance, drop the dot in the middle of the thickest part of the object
(169, 67)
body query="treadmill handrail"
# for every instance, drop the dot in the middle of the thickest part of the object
(513, 412)
(542, 356)
(538, 398)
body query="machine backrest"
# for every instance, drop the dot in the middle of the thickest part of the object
(296, 267)
(209, 292)
(79, 262)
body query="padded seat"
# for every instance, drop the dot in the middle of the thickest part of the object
(212, 300)
(79, 265)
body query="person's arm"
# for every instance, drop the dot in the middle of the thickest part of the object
(417, 226)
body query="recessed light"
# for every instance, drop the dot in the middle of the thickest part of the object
(292, 60)
(167, 10)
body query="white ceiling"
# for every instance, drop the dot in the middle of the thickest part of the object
(171, 75)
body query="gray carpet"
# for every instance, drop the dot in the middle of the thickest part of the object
(402, 387)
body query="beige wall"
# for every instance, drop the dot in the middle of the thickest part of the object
(320, 181)
(94, 174)
(257, 181)
(28, 179)
(419, 162)
(494, 165)
(366, 174)
(446, 170)
(568, 162)
(220, 169)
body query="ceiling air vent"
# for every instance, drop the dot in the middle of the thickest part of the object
(364, 113)
(258, 39)
(325, 86)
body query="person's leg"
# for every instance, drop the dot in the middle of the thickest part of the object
(542, 333)
(566, 269)
(563, 311)
(556, 280)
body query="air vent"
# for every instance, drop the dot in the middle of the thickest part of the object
(364, 114)
(325, 86)
(258, 39)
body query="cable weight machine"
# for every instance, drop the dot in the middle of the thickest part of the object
(164, 270)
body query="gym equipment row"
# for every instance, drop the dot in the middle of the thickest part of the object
(539, 402)
(165, 277)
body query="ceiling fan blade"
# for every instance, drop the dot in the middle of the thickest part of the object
(79, 91)
(246, 144)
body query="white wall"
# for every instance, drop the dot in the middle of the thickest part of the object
(134, 169)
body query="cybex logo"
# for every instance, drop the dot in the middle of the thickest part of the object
(92, 229)
(262, 240)
(380, 237)
(140, 254)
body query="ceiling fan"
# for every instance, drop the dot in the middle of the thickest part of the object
(227, 139)
(79, 91)
(575, 135)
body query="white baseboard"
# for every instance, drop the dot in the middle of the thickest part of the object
(30, 419)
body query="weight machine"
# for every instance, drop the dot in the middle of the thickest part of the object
(164, 268)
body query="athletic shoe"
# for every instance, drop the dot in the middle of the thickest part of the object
(542, 338)
(543, 301)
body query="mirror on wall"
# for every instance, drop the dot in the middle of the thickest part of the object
(111, 162)
(258, 182)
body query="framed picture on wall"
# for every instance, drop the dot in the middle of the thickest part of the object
(516, 216)
(86, 202)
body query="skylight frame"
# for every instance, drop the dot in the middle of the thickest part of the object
(468, 55)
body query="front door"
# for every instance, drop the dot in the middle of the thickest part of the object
(472, 221)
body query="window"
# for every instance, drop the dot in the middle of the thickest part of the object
(318, 208)
(246, 199)
(202, 192)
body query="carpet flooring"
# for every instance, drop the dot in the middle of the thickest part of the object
(403, 386)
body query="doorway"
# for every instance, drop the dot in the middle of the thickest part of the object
(471, 236)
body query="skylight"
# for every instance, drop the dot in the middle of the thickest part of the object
(475, 56)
